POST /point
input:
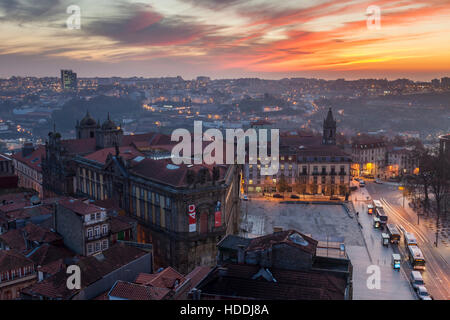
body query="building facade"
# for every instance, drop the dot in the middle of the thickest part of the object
(182, 210)
(308, 165)
(84, 226)
(16, 273)
(369, 158)
(27, 167)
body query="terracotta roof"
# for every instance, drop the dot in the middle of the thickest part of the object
(47, 254)
(33, 160)
(197, 275)
(14, 239)
(233, 280)
(97, 266)
(11, 259)
(40, 234)
(52, 267)
(54, 287)
(143, 278)
(165, 172)
(79, 206)
(126, 152)
(290, 237)
(168, 278)
(79, 146)
(93, 268)
(132, 291)
(116, 225)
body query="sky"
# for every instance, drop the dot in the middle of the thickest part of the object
(227, 38)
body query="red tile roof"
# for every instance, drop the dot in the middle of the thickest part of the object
(236, 280)
(52, 267)
(289, 237)
(48, 253)
(165, 172)
(37, 233)
(144, 278)
(168, 278)
(197, 275)
(14, 239)
(79, 206)
(127, 152)
(132, 291)
(33, 160)
(11, 259)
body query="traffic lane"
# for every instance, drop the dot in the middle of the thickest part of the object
(435, 275)
(395, 285)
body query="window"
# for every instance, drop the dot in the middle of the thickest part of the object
(93, 216)
(97, 231)
(98, 215)
(89, 233)
(168, 202)
(104, 244)
(90, 248)
(105, 229)
(97, 246)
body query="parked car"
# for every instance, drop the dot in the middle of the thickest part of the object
(422, 293)
(279, 196)
(362, 184)
(245, 197)
(378, 181)
(294, 196)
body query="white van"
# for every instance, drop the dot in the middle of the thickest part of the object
(416, 279)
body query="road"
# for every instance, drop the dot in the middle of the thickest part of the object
(436, 275)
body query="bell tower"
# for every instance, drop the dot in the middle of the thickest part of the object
(329, 129)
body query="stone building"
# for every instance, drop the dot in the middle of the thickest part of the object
(182, 210)
(85, 227)
(369, 157)
(309, 164)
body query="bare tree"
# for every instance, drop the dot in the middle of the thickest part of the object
(439, 182)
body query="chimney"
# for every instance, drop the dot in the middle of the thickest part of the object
(27, 149)
(277, 229)
(241, 254)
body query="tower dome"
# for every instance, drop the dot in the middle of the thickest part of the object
(109, 124)
(88, 121)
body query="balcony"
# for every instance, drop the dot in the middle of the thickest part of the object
(315, 173)
(332, 173)
(323, 173)
(97, 236)
(342, 173)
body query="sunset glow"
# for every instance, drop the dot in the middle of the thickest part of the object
(227, 38)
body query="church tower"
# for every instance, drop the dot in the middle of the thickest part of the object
(108, 135)
(329, 129)
(87, 127)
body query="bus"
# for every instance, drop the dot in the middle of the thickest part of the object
(410, 239)
(416, 258)
(381, 215)
(369, 208)
(377, 204)
(394, 234)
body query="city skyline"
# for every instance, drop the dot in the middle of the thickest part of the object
(227, 39)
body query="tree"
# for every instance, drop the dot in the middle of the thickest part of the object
(425, 172)
(439, 182)
(282, 185)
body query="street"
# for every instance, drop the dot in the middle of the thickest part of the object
(436, 275)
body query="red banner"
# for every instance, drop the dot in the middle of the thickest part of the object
(218, 219)
(192, 218)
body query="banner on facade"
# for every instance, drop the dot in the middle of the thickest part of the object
(192, 218)
(218, 219)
